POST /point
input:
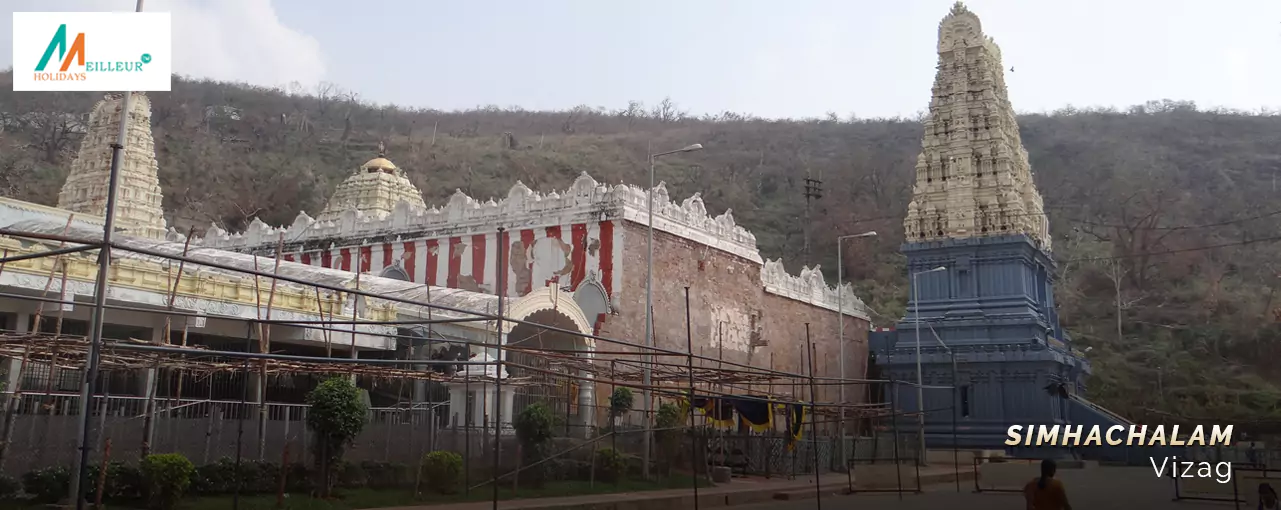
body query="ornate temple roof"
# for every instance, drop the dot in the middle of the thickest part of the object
(973, 178)
(373, 191)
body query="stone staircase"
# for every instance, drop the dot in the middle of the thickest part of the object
(1109, 416)
(1086, 413)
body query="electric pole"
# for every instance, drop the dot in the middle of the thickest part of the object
(813, 191)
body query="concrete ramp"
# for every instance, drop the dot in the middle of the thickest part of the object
(1094, 413)
(1007, 475)
(1088, 414)
(1244, 486)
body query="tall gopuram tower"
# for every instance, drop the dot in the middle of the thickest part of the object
(978, 251)
(138, 200)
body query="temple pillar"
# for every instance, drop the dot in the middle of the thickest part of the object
(149, 380)
(586, 401)
(355, 354)
(12, 383)
(485, 407)
(457, 405)
(13, 366)
(508, 397)
(420, 386)
(147, 386)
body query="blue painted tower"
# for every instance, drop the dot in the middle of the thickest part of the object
(979, 260)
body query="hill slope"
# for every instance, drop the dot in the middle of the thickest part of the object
(1165, 218)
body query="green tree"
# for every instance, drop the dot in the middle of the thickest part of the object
(620, 402)
(534, 431)
(669, 423)
(337, 415)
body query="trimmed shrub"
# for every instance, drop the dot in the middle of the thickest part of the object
(300, 478)
(47, 485)
(221, 477)
(9, 488)
(568, 469)
(385, 475)
(255, 477)
(123, 482)
(348, 475)
(442, 471)
(216, 478)
(610, 465)
(166, 477)
(260, 477)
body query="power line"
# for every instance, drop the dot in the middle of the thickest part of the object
(1184, 227)
(1179, 250)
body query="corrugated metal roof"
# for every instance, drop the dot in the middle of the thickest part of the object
(46, 222)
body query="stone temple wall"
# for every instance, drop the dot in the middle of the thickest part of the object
(732, 316)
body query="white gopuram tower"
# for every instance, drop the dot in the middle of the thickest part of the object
(138, 206)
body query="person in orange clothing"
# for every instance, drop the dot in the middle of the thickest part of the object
(1267, 497)
(1046, 492)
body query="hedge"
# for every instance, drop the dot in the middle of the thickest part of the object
(124, 483)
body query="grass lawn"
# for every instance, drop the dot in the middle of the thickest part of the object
(356, 499)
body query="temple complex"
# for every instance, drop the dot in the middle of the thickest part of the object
(573, 259)
(210, 301)
(981, 270)
(588, 241)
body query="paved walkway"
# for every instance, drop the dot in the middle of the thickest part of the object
(1100, 488)
(740, 491)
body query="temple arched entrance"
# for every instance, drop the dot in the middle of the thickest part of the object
(553, 376)
(395, 273)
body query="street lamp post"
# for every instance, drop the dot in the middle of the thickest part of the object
(920, 386)
(956, 457)
(649, 306)
(840, 317)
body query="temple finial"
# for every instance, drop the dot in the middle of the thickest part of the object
(382, 149)
(959, 8)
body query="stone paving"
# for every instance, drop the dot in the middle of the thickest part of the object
(738, 493)
(1094, 488)
(1099, 488)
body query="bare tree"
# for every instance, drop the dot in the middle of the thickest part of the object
(635, 111)
(326, 95)
(667, 111)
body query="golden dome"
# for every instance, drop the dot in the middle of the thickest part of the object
(379, 164)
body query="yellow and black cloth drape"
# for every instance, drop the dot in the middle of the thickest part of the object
(795, 420)
(753, 412)
(719, 411)
(756, 413)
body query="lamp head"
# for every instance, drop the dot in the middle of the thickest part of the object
(692, 148)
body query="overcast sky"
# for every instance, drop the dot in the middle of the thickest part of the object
(772, 58)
